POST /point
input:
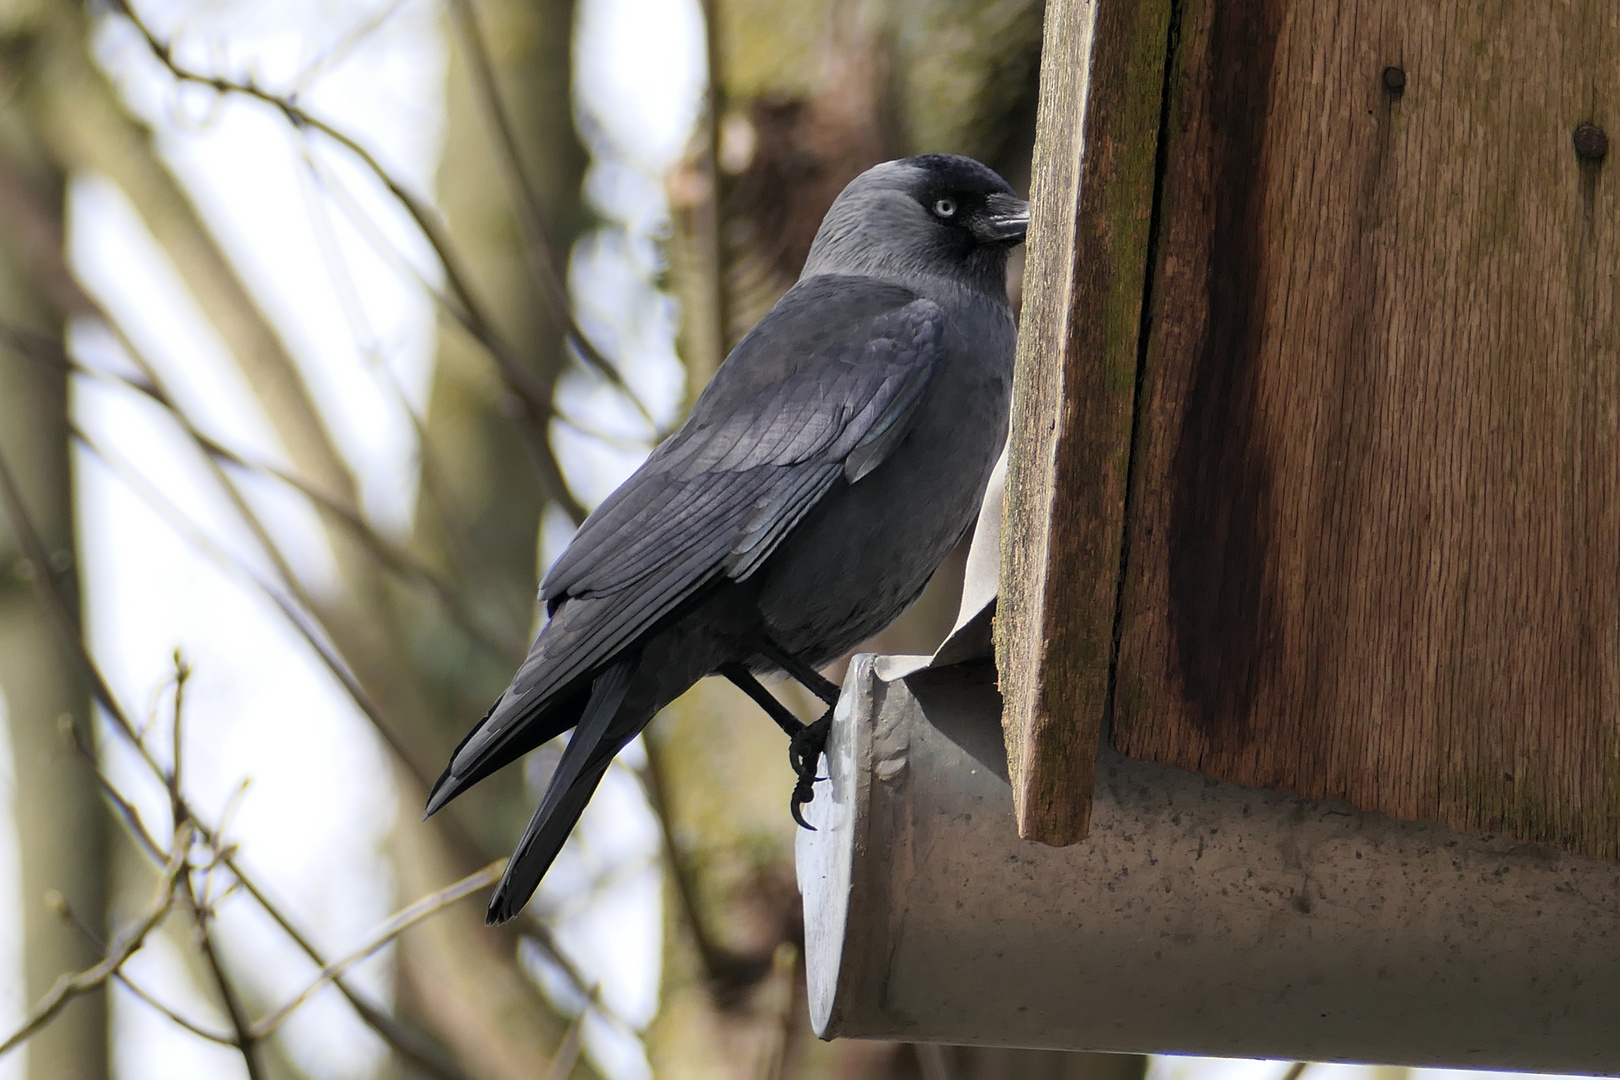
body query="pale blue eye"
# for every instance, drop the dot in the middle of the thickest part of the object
(945, 208)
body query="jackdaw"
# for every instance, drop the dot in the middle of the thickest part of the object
(836, 457)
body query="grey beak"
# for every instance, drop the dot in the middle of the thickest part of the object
(1004, 220)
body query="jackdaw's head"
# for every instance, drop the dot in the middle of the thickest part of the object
(938, 215)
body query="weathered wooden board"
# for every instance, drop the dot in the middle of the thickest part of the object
(1101, 86)
(1375, 517)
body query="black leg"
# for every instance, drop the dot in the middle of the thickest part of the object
(806, 741)
(744, 680)
(807, 676)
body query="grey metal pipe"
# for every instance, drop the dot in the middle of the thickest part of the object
(1198, 917)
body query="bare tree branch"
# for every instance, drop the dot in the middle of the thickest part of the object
(397, 1035)
(244, 1040)
(345, 45)
(177, 802)
(461, 552)
(71, 986)
(173, 1016)
(121, 806)
(402, 563)
(534, 394)
(223, 856)
(57, 608)
(567, 1056)
(407, 1042)
(403, 920)
(301, 621)
(543, 257)
(123, 979)
(135, 988)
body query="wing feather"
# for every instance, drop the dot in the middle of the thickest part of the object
(803, 404)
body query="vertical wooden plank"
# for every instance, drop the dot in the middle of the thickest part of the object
(1092, 190)
(1376, 515)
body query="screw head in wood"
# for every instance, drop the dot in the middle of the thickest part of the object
(1395, 80)
(1591, 142)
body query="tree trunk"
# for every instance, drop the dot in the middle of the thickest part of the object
(482, 528)
(60, 823)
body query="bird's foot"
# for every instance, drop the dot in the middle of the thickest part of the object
(804, 751)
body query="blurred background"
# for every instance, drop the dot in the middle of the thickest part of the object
(322, 324)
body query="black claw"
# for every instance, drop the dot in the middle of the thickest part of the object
(804, 752)
(796, 802)
(803, 793)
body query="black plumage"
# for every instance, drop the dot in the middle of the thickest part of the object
(831, 463)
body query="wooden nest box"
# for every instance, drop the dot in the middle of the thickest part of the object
(1308, 637)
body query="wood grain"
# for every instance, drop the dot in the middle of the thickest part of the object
(1092, 190)
(1375, 516)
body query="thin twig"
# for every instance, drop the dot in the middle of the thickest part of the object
(538, 245)
(1295, 1070)
(121, 806)
(407, 1042)
(71, 986)
(530, 425)
(403, 564)
(402, 1038)
(540, 935)
(135, 988)
(58, 610)
(300, 621)
(567, 1055)
(181, 674)
(591, 892)
(173, 1016)
(401, 921)
(151, 385)
(590, 431)
(528, 387)
(389, 556)
(340, 49)
(461, 552)
(244, 1040)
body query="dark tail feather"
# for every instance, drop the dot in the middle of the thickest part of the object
(529, 735)
(548, 831)
(584, 761)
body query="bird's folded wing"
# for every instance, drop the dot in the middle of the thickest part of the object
(720, 495)
(798, 408)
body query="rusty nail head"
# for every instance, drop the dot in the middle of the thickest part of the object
(1591, 143)
(1394, 79)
